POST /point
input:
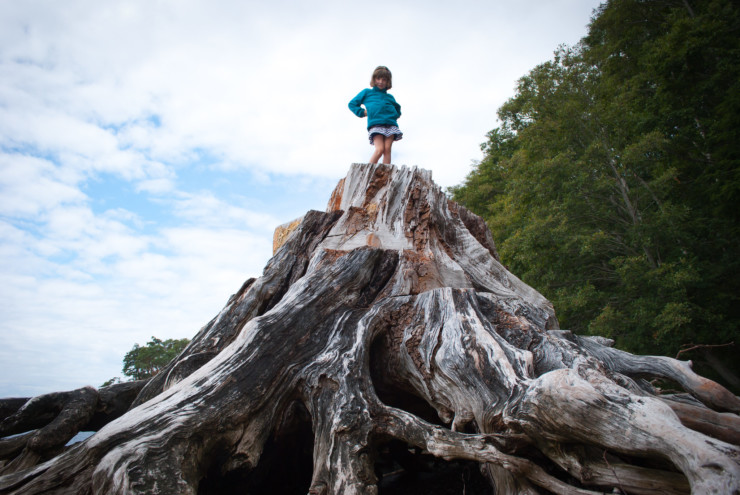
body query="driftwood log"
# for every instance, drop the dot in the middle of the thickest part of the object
(383, 336)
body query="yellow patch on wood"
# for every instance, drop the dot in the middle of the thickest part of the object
(282, 232)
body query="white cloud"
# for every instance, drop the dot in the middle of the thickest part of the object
(209, 210)
(30, 185)
(119, 287)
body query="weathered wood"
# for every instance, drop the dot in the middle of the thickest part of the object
(389, 318)
(446, 443)
(56, 418)
(722, 426)
(67, 411)
(253, 299)
(11, 405)
(593, 467)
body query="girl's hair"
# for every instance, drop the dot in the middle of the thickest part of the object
(382, 71)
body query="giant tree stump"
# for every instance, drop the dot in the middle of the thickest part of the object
(388, 320)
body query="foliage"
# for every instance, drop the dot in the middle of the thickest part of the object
(144, 362)
(612, 183)
(111, 381)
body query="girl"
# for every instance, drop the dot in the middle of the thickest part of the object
(381, 111)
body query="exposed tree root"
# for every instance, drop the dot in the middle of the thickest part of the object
(56, 418)
(446, 443)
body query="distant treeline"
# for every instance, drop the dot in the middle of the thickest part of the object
(612, 183)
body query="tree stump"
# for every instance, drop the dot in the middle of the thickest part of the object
(386, 332)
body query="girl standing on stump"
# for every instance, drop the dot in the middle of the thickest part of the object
(381, 111)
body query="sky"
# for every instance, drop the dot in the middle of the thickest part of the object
(149, 148)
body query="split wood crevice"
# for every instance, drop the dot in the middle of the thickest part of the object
(387, 320)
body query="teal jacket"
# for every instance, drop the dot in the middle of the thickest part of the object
(382, 108)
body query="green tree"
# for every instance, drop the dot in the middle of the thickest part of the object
(611, 184)
(144, 362)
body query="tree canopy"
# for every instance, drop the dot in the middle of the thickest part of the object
(611, 184)
(144, 362)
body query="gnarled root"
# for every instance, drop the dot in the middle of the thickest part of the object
(55, 419)
(594, 466)
(562, 406)
(445, 443)
(710, 393)
(462, 363)
(58, 417)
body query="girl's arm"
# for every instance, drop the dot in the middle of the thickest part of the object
(398, 107)
(354, 104)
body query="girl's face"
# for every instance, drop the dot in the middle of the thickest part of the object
(381, 82)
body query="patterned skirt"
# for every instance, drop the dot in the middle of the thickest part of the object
(385, 130)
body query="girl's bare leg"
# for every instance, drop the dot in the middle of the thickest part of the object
(387, 143)
(379, 144)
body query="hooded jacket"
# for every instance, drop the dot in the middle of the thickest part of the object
(382, 108)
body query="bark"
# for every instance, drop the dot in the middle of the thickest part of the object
(385, 332)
